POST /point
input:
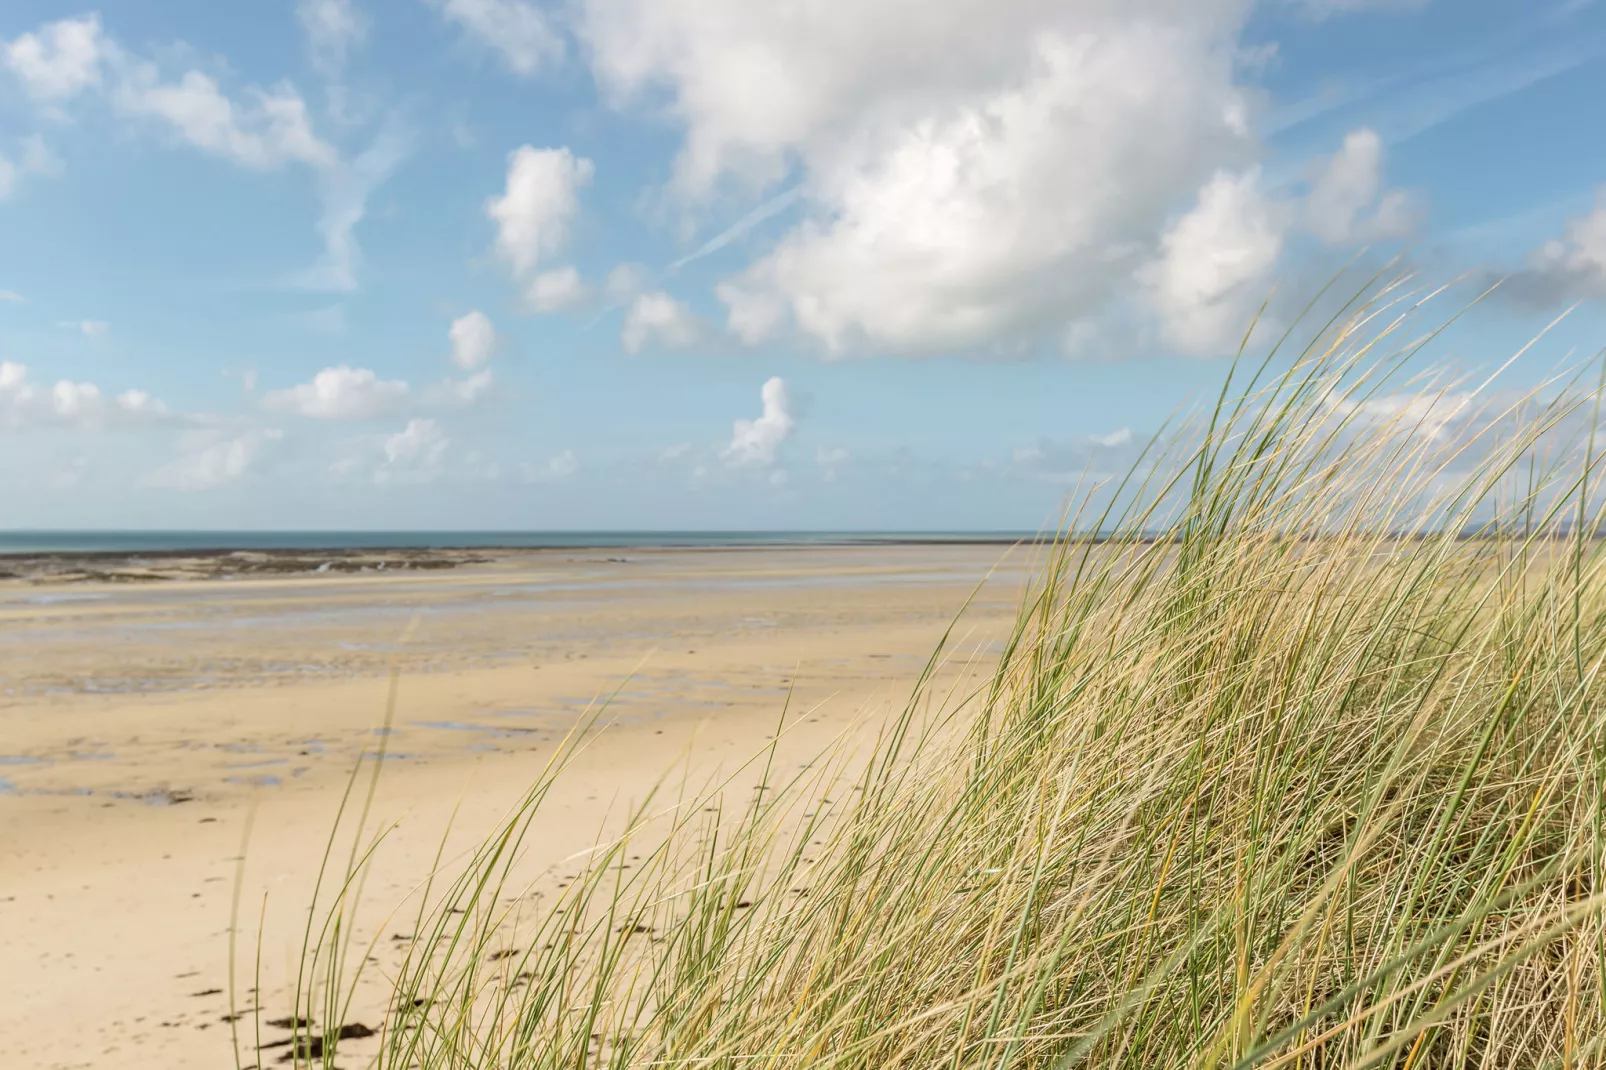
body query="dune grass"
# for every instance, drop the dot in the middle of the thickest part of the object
(1302, 766)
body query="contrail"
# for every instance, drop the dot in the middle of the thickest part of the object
(778, 203)
(775, 205)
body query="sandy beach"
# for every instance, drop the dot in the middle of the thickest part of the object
(148, 718)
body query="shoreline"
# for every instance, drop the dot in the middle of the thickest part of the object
(122, 566)
(15, 543)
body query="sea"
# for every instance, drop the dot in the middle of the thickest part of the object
(134, 542)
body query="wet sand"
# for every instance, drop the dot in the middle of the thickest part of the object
(145, 720)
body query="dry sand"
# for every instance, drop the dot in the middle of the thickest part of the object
(143, 722)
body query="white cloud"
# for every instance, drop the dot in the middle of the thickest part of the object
(345, 187)
(519, 32)
(59, 61)
(25, 404)
(1346, 203)
(473, 340)
(1428, 414)
(1071, 459)
(670, 454)
(36, 159)
(560, 466)
(333, 28)
(830, 460)
(1215, 263)
(657, 318)
(11, 297)
(556, 290)
(216, 463)
(541, 198)
(414, 454)
(988, 200)
(1573, 265)
(271, 130)
(1123, 437)
(755, 442)
(457, 393)
(263, 129)
(341, 393)
(624, 283)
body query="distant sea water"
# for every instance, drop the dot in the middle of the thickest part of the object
(134, 542)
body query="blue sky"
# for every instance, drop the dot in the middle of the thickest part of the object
(711, 264)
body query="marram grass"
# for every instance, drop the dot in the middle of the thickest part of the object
(1301, 767)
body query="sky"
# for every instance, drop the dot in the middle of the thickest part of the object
(712, 264)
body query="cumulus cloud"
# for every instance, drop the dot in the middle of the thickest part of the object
(1572, 266)
(541, 198)
(341, 393)
(414, 454)
(60, 60)
(473, 340)
(987, 199)
(1214, 264)
(1347, 204)
(215, 464)
(269, 130)
(657, 319)
(556, 290)
(518, 32)
(25, 403)
(984, 205)
(755, 442)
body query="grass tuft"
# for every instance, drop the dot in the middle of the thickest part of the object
(1299, 765)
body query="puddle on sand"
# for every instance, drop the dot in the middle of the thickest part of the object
(22, 759)
(57, 599)
(261, 780)
(460, 726)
